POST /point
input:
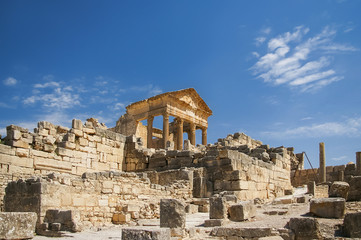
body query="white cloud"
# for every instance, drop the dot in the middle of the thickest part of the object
(119, 106)
(59, 98)
(260, 40)
(289, 61)
(350, 128)
(341, 158)
(47, 84)
(266, 31)
(10, 81)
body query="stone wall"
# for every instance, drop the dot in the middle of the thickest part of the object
(51, 148)
(333, 173)
(237, 164)
(98, 199)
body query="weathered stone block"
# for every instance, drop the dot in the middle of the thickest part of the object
(339, 189)
(241, 232)
(217, 208)
(77, 124)
(352, 225)
(172, 213)
(242, 211)
(328, 207)
(214, 222)
(305, 228)
(17, 225)
(145, 234)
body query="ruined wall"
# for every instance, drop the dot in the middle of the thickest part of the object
(82, 148)
(333, 173)
(101, 198)
(237, 164)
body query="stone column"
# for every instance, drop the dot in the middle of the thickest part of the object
(358, 163)
(192, 135)
(180, 134)
(165, 129)
(322, 170)
(150, 131)
(204, 136)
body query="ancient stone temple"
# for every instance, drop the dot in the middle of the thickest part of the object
(188, 109)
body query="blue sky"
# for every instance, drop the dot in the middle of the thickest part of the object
(284, 72)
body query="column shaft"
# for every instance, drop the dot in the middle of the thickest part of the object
(192, 134)
(165, 129)
(322, 169)
(204, 136)
(180, 134)
(150, 131)
(358, 163)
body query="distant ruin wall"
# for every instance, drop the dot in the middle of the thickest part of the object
(98, 199)
(82, 148)
(333, 173)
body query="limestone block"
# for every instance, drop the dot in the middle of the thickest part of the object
(50, 164)
(355, 189)
(242, 211)
(83, 142)
(121, 218)
(18, 143)
(352, 225)
(150, 233)
(191, 208)
(217, 208)
(61, 129)
(172, 213)
(17, 225)
(305, 228)
(328, 207)
(321, 191)
(214, 222)
(20, 152)
(6, 149)
(339, 189)
(15, 135)
(77, 124)
(90, 131)
(241, 232)
(240, 185)
(77, 132)
(67, 145)
(65, 152)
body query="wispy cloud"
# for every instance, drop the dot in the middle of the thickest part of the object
(10, 81)
(350, 128)
(53, 95)
(339, 159)
(149, 89)
(292, 59)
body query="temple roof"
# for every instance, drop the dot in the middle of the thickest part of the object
(188, 96)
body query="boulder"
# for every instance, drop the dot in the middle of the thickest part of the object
(328, 207)
(217, 208)
(145, 234)
(339, 189)
(17, 225)
(352, 225)
(172, 213)
(242, 211)
(305, 228)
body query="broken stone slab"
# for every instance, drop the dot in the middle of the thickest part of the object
(217, 208)
(305, 228)
(17, 225)
(352, 225)
(328, 207)
(172, 213)
(146, 233)
(242, 211)
(246, 233)
(214, 222)
(339, 189)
